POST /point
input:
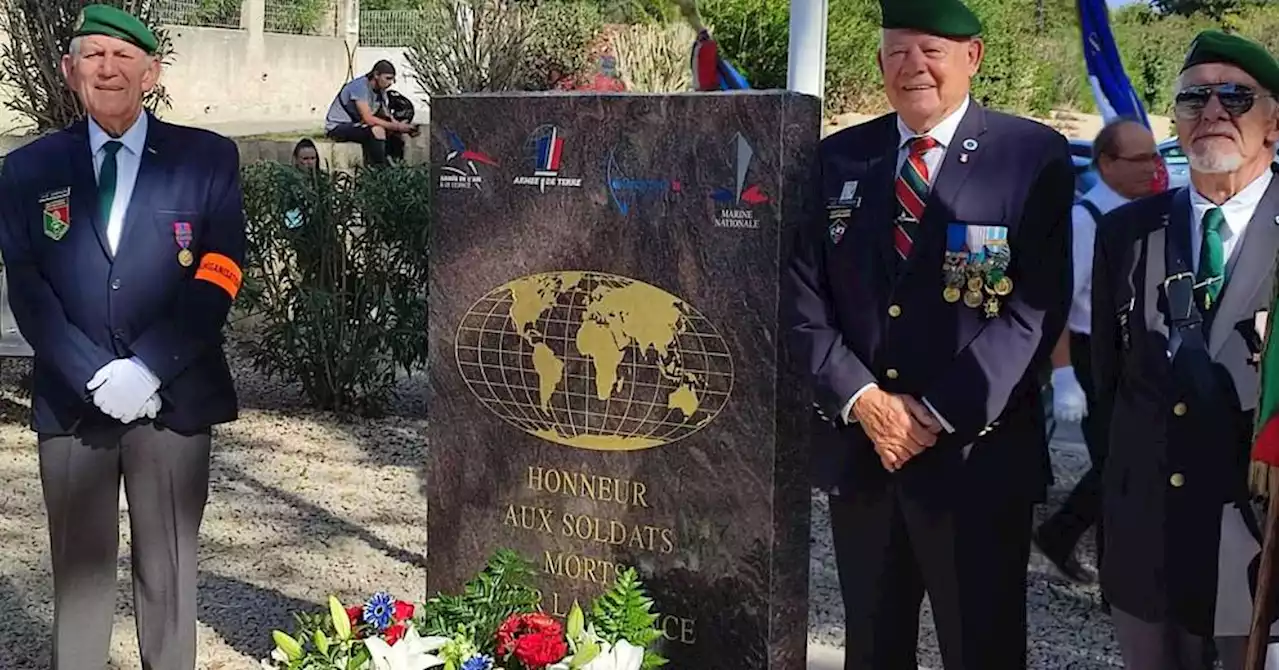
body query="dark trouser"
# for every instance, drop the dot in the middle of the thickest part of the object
(166, 477)
(1083, 507)
(970, 559)
(376, 151)
(1167, 646)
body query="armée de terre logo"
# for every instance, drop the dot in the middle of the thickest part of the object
(594, 361)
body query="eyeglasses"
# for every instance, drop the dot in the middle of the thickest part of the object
(1138, 158)
(1237, 99)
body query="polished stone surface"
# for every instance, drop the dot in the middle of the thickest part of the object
(608, 382)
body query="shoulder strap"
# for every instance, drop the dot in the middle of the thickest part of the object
(1092, 208)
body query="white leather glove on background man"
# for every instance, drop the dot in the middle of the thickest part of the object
(1068, 398)
(125, 390)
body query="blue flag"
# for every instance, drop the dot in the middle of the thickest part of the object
(1111, 88)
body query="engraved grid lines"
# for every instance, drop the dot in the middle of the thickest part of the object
(563, 414)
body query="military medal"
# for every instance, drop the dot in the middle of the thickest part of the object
(972, 299)
(1004, 286)
(951, 294)
(182, 235)
(974, 283)
(992, 308)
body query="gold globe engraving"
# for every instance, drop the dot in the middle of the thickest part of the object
(594, 361)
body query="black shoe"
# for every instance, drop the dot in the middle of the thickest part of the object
(1063, 557)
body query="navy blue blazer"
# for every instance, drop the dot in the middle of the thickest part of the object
(853, 318)
(80, 308)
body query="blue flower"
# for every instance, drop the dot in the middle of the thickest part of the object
(478, 662)
(377, 612)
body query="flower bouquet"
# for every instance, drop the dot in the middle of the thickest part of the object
(496, 623)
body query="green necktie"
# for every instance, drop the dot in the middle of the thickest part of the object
(1212, 257)
(107, 180)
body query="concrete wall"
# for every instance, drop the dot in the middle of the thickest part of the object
(405, 82)
(221, 76)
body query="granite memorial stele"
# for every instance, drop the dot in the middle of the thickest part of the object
(608, 381)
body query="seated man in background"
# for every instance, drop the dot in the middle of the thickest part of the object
(360, 113)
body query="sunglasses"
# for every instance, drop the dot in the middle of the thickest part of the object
(1237, 99)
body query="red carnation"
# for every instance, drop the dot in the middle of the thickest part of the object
(513, 633)
(538, 650)
(403, 611)
(354, 614)
(394, 632)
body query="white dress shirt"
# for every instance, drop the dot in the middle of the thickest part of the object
(1238, 211)
(128, 159)
(1083, 232)
(943, 133)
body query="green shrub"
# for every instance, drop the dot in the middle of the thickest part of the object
(341, 298)
(469, 46)
(753, 35)
(557, 48)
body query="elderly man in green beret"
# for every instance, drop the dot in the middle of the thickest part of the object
(1182, 284)
(123, 237)
(923, 306)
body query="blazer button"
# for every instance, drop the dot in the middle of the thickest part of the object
(895, 311)
(1180, 409)
(115, 284)
(1176, 480)
(891, 373)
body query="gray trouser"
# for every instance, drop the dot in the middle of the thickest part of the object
(166, 477)
(1166, 646)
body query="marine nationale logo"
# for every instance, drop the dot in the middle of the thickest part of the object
(545, 148)
(737, 204)
(460, 169)
(625, 190)
(594, 361)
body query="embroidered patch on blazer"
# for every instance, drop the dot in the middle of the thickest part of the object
(56, 218)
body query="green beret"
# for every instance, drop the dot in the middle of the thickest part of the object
(945, 18)
(1213, 46)
(117, 23)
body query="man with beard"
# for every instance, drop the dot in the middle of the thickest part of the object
(922, 305)
(1182, 282)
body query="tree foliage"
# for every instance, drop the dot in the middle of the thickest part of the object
(469, 46)
(40, 33)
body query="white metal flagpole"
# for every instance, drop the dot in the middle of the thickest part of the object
(807, 56)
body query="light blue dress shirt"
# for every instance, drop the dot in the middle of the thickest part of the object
(128, 159)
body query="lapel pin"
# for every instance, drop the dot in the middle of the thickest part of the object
(151, 150)
(970, 144)
(964, 158)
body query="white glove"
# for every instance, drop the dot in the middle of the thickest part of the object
(123, 388)
(1068, 398)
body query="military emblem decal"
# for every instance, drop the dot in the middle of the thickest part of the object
(975, 267)
(836, 230)
(56, 218)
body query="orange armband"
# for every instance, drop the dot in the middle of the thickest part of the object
(221, 272)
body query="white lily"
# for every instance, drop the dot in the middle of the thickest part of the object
(411, 652)
(620, 656)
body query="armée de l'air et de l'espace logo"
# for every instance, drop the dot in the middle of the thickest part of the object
(461, 167)
(545, 149)
(737, 205)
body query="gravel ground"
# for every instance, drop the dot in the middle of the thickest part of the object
(302, 504)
